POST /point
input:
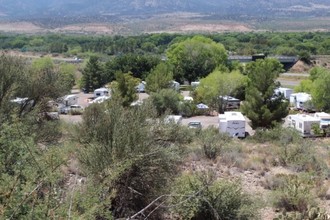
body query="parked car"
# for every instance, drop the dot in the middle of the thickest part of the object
(195, 124)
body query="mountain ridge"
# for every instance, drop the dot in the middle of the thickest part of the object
(21, 9)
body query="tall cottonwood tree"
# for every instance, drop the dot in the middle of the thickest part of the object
(196, 57)
(261, 105)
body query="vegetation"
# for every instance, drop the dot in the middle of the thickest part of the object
(126, 161)
(261, 105)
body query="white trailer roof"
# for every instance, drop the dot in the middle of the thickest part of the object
(303, 117)
(232, 116)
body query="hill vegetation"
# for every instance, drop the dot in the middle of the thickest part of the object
(129, 161)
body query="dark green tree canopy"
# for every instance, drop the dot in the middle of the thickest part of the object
(261, 105)
(93, 75)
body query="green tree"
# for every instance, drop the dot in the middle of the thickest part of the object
(218, 84)
(160, 78)
(195, 58)
(320, 91)
(261, 105)
(68, 71)
(125, 88)
(166, 100)
(93, 75)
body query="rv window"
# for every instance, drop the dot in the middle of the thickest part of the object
(98, 94)
(300, 125)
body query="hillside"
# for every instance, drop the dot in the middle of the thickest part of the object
(260, 8)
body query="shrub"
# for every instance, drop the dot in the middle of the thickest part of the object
(292, 193)
(203, 197)
(212, 142)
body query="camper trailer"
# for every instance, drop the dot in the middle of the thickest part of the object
(303, 123)
(101, 92)
(232, 123)
(177, 119)
(301, 101)
(194, 84)
(70, 100)
(324, 119)
(286, 92)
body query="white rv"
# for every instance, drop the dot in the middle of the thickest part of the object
(232, 123)
(303, 123)
(285, 91)
(177, 119)
(70, 100)
(324, 119)
(194, 84)
(101, 92)
(301, 101)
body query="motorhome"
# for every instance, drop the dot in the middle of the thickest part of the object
(286, 92)
(301, 101)
(232, 123)
(324, 119)
(303, 123)
(101, 92)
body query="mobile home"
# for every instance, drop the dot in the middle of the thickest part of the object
(232, 123)
(303, 123)
(101, 92)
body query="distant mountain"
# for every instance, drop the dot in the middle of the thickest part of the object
(27, 9)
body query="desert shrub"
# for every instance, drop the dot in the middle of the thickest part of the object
(212, 142)
(300, 157)
(232, 155)
(130, 154)
(293, 193)
(278, 135)
(201, 196)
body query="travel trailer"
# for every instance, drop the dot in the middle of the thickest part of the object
(101, 92)
(232, 123)
(324, 119)
(301, 101)
(70, 100)
(177, 119)
(303, 123)
(194, 84)
(285, 91)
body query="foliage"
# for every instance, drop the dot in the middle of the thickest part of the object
(93, 75)
(139, 65)
(293, 194)
(131, 169)
(68, 72)
(202, 196)
(305, 85)
(212, 142)
(160, 78)
(320, 90)
(125, 88)
(166, 100)
(218, 84)
(195, 58)
(261, 105)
